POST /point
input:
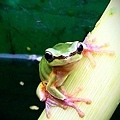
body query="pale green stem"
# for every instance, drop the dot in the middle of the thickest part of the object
(102, 83)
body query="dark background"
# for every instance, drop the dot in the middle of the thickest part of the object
(29, 27)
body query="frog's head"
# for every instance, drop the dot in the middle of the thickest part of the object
(64, 53)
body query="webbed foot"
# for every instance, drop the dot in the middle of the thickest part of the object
(90, 47)
(70, 100)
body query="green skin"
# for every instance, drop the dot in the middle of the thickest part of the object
(55, 73)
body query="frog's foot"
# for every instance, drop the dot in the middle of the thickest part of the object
(90, 47)
(71, 102)
(48, 104)
(53, 102)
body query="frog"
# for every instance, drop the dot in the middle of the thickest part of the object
(56, 65)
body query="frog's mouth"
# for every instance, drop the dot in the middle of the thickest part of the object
(65, 57)
(66, 61)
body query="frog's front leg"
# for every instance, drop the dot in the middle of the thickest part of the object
(51, 87)
(89, 47)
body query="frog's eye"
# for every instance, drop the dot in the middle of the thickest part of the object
(79, 48)
(48, 56)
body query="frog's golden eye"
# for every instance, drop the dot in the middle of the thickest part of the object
(48, 56)
(79, 47)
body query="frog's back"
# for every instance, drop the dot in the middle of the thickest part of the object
(44, 69)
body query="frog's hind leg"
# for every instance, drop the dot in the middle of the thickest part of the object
(41, 91)
(50, 101)
(48, 104)
(53, 102)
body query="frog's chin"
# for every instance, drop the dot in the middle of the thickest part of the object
(67, 66)
(73, 62)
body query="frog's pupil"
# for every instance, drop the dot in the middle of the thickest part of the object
(49, 57)
(79, 48)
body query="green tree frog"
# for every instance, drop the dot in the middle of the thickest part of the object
(54, 68)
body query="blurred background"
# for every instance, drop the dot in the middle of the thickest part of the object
(27, 28)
